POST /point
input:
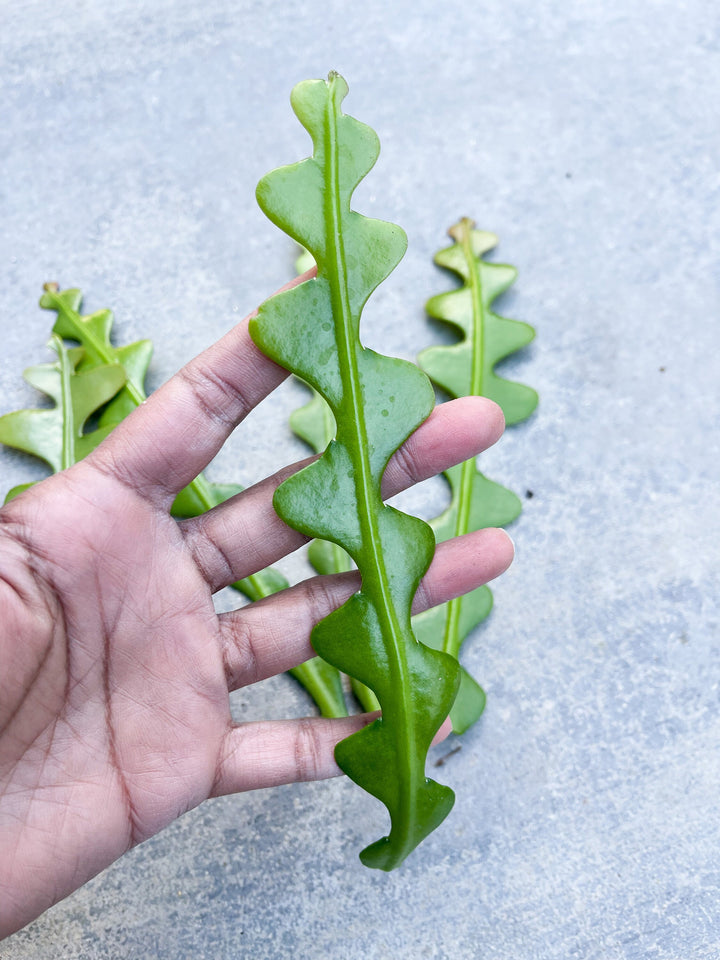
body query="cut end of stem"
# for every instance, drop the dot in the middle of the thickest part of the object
(460, 229)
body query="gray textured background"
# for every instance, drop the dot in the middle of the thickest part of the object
(586, 135)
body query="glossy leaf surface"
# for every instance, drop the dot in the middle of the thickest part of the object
(467, 368)
(315, 425)
(376, 401)
(57, 435)
(462, 369)
(92, 331)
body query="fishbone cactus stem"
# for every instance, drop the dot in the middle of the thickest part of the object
(58, 435)
(462, 369)
(376, 401)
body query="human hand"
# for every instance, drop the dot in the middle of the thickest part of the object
(115, 668)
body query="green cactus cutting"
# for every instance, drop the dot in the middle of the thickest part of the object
(57, 435)
(377, 401)
(461, 369)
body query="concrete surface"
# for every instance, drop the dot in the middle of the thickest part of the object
(585, 134)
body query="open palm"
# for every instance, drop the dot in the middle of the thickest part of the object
(115, 668)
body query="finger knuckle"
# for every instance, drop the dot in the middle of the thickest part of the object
(308, 751)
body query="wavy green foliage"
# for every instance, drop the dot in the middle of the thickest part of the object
(313, 330)
(57, 435)
(461, 369)
(92, 332)
(315, 425)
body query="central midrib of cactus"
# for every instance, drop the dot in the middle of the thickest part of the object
(88, 338)
(462, 525)
(68, 446)
(377, 580)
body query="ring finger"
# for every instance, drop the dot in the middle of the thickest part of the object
(272, 635)
(225, 543)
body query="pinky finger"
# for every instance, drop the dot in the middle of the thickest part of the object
(269, 753)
